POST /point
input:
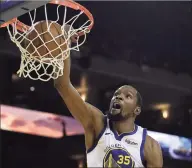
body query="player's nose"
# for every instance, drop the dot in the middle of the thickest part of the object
(119, 97)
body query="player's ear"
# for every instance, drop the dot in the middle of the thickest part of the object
(137, 110)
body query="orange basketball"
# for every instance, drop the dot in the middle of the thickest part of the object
(44, 43)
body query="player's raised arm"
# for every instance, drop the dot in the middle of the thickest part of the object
(86, 114)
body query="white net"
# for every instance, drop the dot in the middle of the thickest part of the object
(43, 58)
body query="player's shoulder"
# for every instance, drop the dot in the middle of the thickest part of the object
(153, 153)
(151, 145)
(151, 141)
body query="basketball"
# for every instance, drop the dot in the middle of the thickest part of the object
(45, 44)
(45, 40)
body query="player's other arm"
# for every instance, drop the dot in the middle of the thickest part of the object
(153, 153)
(85, 113)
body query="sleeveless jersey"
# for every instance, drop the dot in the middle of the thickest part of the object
(118, 151)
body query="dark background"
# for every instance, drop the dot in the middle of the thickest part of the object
(153, 36)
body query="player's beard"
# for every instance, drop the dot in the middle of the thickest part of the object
(113, 115)
(118, 116)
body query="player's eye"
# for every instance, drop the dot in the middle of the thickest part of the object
(128, 96)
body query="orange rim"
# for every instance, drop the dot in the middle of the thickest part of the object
(69, 3)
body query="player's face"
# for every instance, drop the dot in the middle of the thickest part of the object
(123, 104)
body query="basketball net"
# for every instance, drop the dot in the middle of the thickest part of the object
(40, 67)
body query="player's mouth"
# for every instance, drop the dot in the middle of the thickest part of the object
(116, 108)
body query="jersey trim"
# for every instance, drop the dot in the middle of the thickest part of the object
(99, 136)
(142, 145)
(119, 137)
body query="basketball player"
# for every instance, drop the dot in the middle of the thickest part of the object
(113, 140)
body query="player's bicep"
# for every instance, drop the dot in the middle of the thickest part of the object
(153, 153)
(76, 105)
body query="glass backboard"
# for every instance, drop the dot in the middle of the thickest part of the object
(13, 8)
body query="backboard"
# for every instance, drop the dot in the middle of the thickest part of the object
(13, 8)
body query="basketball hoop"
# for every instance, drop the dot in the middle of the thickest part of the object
(19, 31)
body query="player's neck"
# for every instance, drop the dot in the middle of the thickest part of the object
(125, 126)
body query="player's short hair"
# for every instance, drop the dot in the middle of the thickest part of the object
(139, 99)
(138, 95)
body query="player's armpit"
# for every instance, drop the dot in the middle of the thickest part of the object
(153, 153)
